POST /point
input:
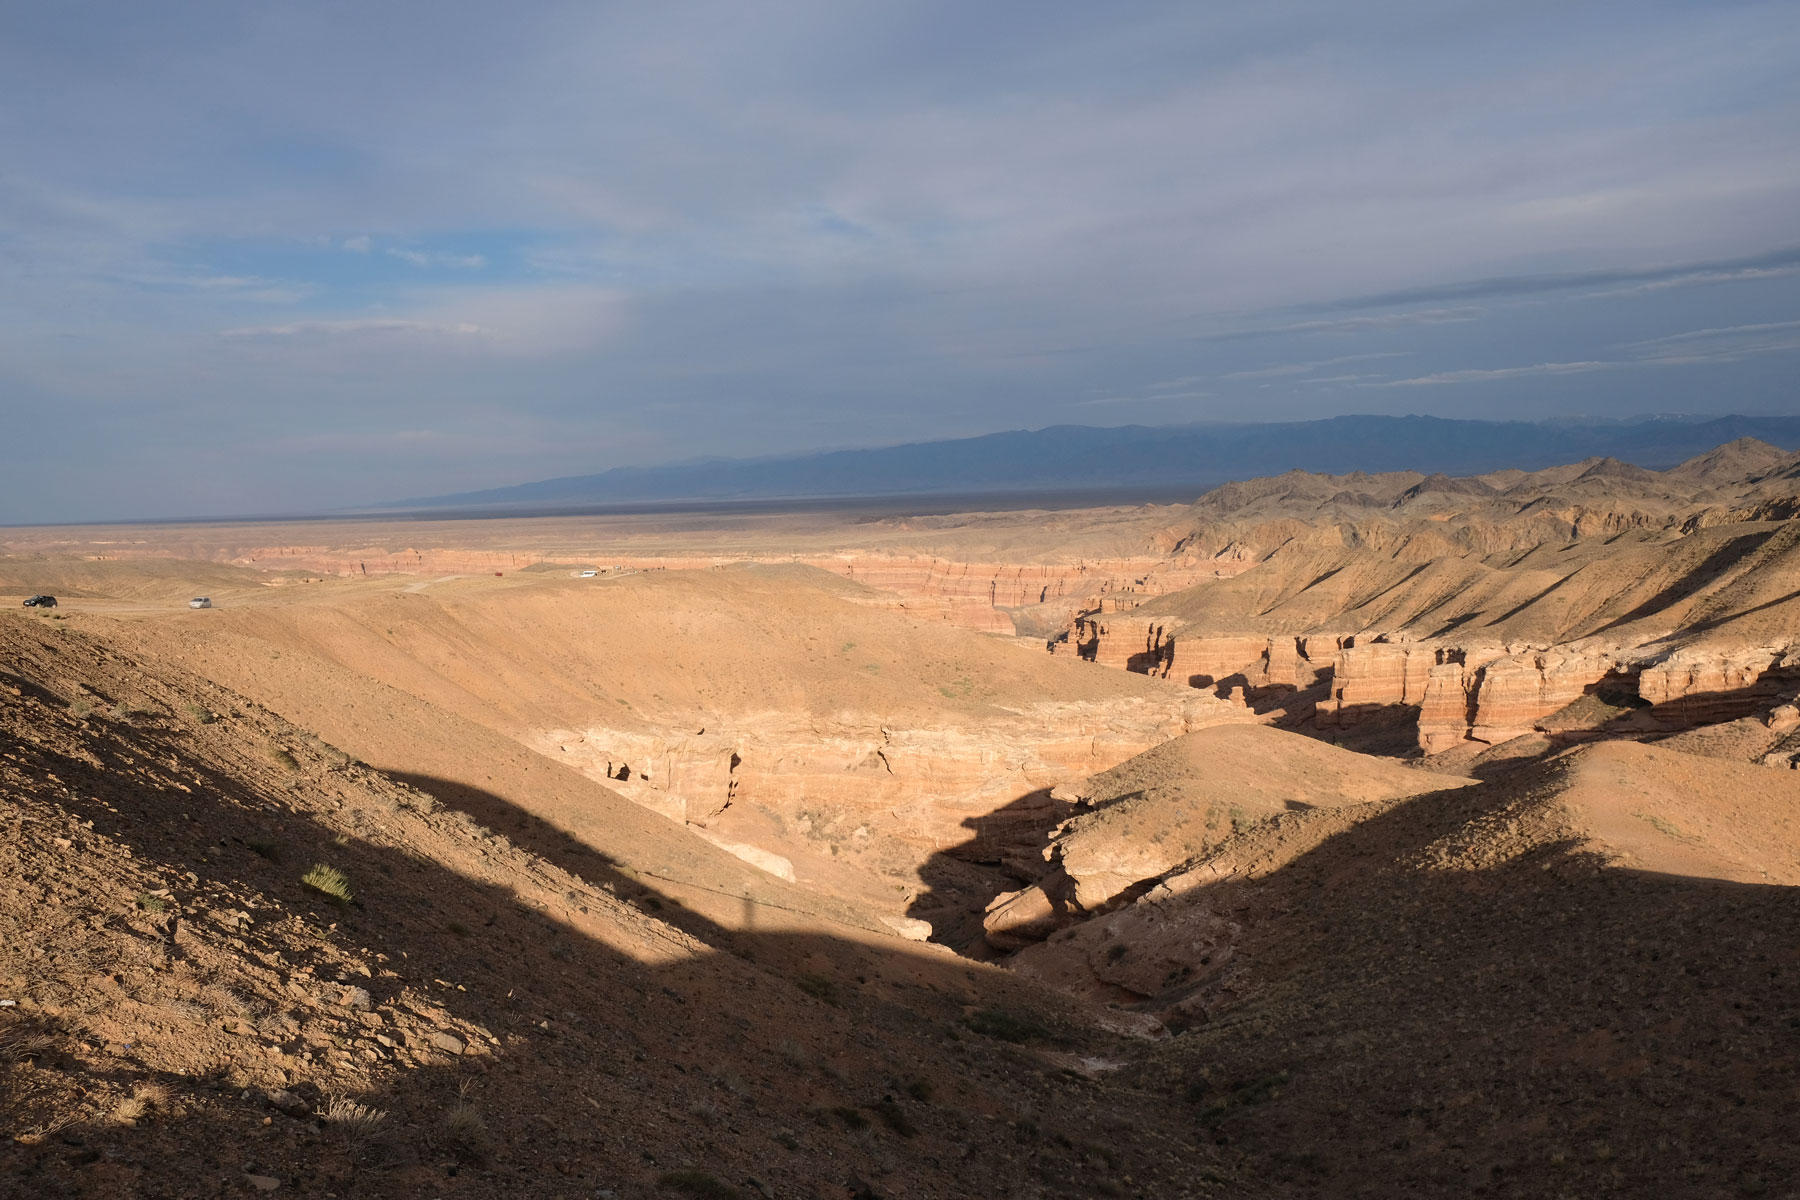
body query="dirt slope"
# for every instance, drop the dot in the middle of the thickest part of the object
(1555, 982)
(183, 1010)
(837, 745)
(1171, 804)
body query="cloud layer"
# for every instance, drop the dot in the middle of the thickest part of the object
(260, 258)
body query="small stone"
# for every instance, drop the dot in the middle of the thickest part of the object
(387, 1041)
(263, 1183)
(289, 1103)
(448, 1043)
(357, 998)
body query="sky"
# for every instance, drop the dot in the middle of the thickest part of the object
(262, 258)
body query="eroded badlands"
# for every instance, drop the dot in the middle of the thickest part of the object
(1362, 835)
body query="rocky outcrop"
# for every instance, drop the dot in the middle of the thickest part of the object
(1219, 663)
(854, 785)
(1129, 826)
(1369, 674)
(1696, 687)
(1516, 691)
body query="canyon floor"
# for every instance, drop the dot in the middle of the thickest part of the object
(1361, 835)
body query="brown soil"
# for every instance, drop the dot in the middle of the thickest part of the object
(632, 867)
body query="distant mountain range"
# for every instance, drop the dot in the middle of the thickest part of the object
(1079, 458)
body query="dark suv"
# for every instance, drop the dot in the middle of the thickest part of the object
(40, 602)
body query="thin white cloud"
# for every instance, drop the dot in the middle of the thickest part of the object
(360, 244)
(372, 327)
(1488, 375)
(1428, 316)
(1331, 380)
(1762, 330)
(1301, 368)
(1171, 385)
(1154, 398)
(1724, 344)
(420, 258)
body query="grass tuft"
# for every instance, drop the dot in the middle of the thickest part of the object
(698, 1184)
(466, 1130)
(356, 1124)
(818, 987)
(329, 881)
(1009, 1026)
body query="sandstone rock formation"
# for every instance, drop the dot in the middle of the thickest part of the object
(1168, 805)
(1559, 601)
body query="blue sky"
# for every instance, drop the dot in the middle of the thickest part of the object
(260, 258)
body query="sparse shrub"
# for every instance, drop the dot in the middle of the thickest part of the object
(851, 1117)
(151, 904)
(818, 987)
(266, 849)
(356, 1124)
(22, 1040)
(919, 1089)
(1010, 1026)
(144, 1099)
(281, 758)
(199, 713)
(329, 881)
(894, 1117)
(81, 708)
(465, 1129)
(698, 1184)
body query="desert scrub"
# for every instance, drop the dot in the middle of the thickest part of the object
(1009, 1026)
(21, 1041)
(355, 1124)
(894, 1117)
(281, 758)
(151, 904)
(818, 987)
(466, 1130)
(329, 881)
(698, 1184)
(199, 714)
(81, 708)
(144, 1099)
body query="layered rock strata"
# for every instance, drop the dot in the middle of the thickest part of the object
(856, 785)
(1488, 692)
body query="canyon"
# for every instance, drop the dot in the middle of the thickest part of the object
(1209, 822)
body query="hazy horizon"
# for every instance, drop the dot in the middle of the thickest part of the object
(282, 260)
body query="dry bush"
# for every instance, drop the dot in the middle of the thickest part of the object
(145, 1099)
(356, 1124)
(698, 1184)
(329, 881)
(22, 1040)
(465, 1129)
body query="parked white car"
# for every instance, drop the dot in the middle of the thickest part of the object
(589, 574)
(200, 602)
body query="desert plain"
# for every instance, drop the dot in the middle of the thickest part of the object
(1363, 835)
